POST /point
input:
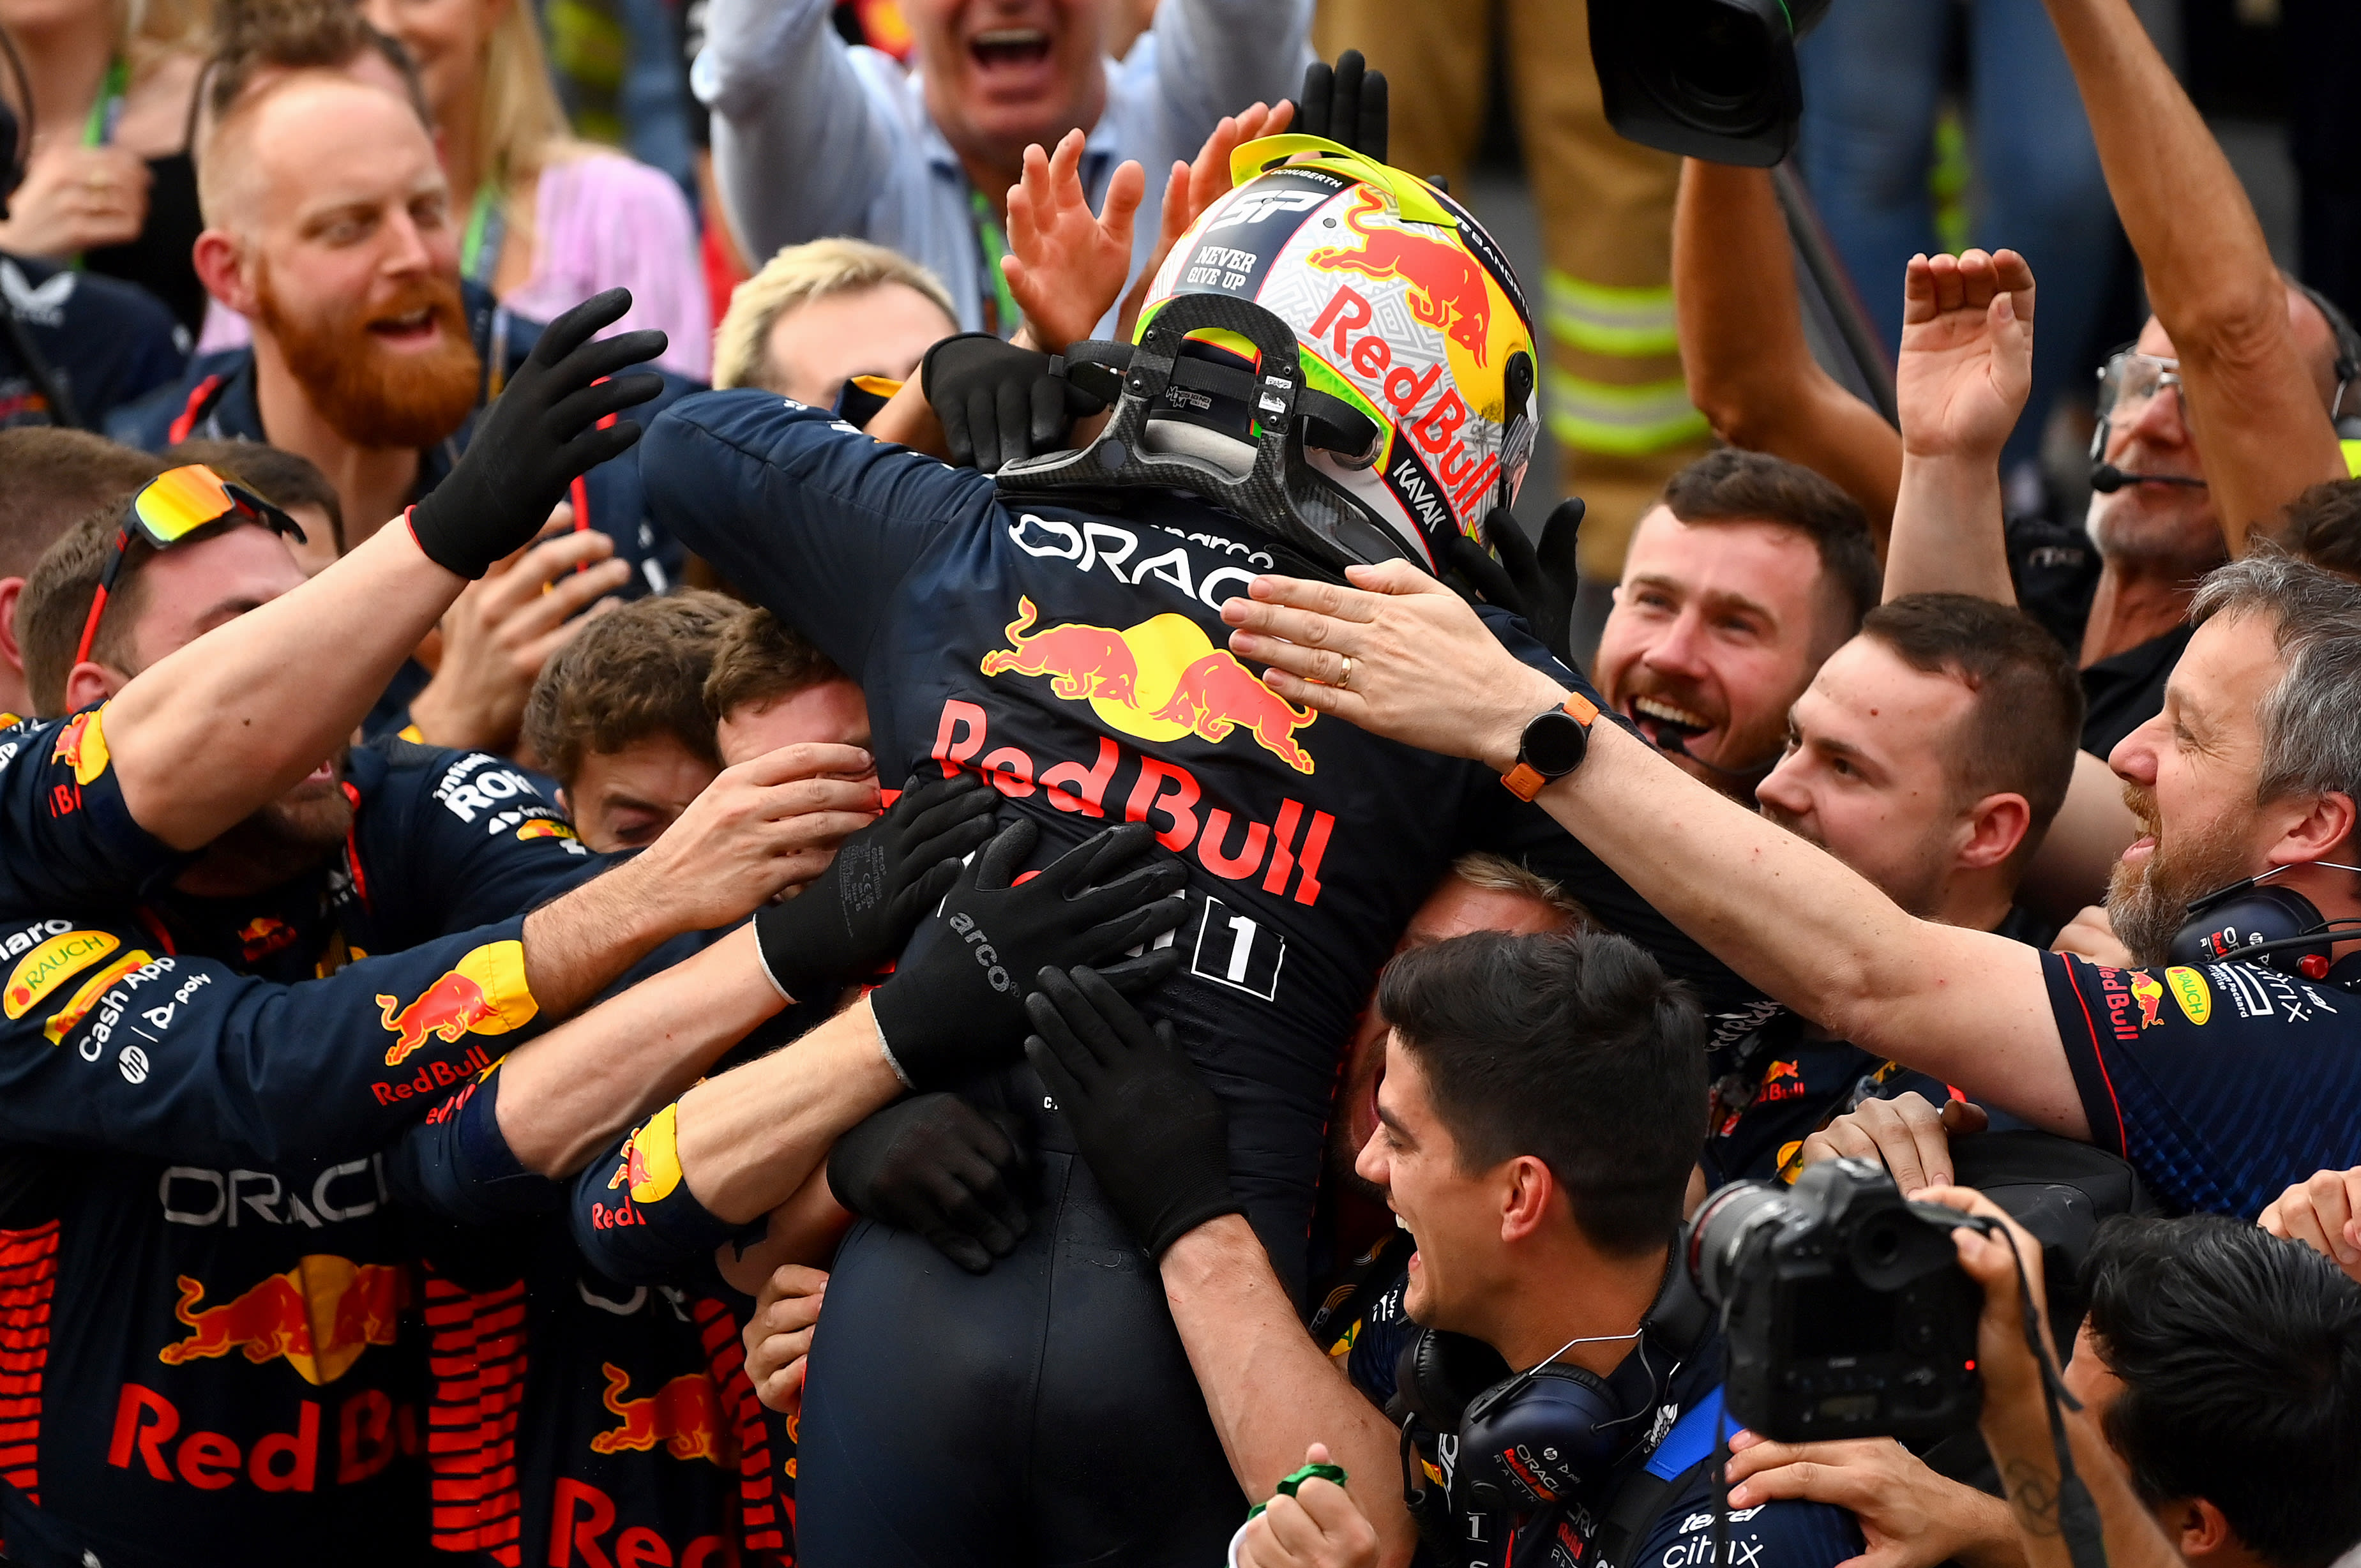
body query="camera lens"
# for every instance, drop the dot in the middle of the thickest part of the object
(1708, 62)
(1729, 1221)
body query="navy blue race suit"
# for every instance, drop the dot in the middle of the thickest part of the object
(2221, 1083)
(1076, 659)
(579, 1421)
(577, 1418)
(212, 1352)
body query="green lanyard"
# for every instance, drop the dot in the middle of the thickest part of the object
(479, 248)
(1000, 312)
(99, 129)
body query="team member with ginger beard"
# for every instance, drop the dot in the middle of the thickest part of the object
(329, 227)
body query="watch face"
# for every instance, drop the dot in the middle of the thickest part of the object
(1555, 744)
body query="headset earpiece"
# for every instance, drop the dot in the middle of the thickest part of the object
(2247, 915)
(1438, 1374)
(1538, 1440)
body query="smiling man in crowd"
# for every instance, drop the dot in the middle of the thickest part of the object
(811, 138)
(1747, 575)
(328, 227)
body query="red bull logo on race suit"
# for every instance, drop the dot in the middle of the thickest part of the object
(318, 1316)
(684, 1415)
(1158, 680)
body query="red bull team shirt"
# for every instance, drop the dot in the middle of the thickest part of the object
(212, 1346)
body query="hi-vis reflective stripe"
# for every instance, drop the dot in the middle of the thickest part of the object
(1628, 323)
(1623, 422)
(2352, 458)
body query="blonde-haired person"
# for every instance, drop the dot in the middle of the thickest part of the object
(822, 313)
(108, 180)
(547, 219)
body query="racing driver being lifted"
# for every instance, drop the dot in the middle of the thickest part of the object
(1334, 365)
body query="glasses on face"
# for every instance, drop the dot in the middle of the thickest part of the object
(2130, 380)
(167, 509)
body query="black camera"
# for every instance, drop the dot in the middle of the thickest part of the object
(1847, 1313)
(1711, 79)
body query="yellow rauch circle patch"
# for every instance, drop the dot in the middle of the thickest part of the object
(48, 966)
(2188, 989)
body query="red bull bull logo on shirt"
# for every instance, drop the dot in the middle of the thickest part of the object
(484, 994)
(684, 1415)
(319, 1316)
(1160, 680)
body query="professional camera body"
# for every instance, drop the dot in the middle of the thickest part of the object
(1711, 79)
(1848, 1315)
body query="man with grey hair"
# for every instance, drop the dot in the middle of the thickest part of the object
(2221, 1076)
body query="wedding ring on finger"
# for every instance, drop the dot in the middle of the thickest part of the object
(1345, 675)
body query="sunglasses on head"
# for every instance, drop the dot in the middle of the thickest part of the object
(167, 509)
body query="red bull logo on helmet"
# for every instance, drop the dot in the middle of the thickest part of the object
(1448, 288)
(1160, 680)
(484, 994)
(1403, 307)
(684, 1415)
(318, 1317)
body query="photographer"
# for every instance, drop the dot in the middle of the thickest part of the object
(1540, 1111)
(2219, 1084)
(2216, 1375)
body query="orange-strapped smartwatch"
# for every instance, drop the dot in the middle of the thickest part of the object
(1552, 746)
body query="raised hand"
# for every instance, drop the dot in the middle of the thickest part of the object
(1346, 104)
(1967, 353)
(544, 429)
(1065, 264)
(1539, 585)
(1196, 186)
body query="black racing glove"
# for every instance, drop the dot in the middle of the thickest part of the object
(1537, 585)
(1153, 1132)
(538, 436)
(956, 1004)
(998, 402)
(1346, 104)
(941, 1169)
(858, 913)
